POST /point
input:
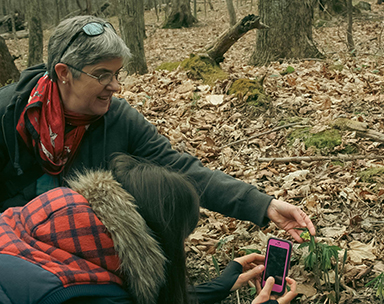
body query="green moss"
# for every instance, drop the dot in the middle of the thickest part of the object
(198, 67)
(327, 139)
(350, 149)
(337, 163)
(372, 175)
(204, 68)
(169, 66)
(324, 141)
(336, 67)
(251, 91)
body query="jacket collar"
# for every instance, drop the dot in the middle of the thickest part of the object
(142, 262)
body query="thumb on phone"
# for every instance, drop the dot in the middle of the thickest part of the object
(268, 286)
(265, 293)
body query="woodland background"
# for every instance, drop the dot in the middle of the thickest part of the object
(315, 140)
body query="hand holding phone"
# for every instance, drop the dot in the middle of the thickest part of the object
(265, 293)
(277, 262)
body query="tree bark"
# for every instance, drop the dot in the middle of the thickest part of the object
(231, 11)
(132, 27)
(290, 32)
(217, 50)
(351, 44)
(9, 72)
(180, 16)
(35, 44)
(332, 7)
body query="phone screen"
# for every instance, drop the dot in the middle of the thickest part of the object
(276, 264)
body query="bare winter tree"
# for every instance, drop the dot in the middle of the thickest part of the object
(180, 15)
(132, 28)
(35, 47)
(351, 44)
(290, 32)
(232, 13)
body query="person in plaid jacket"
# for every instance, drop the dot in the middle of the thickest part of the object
(89, 243)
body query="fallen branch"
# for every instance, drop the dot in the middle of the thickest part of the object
(217, 50)
(296, 159)
(261, 134)
(19, 35)
(360, 128)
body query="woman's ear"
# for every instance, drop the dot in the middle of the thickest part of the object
(62, 72)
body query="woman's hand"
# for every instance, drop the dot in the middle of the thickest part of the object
(289, 217)
(253, 266)
(265, 293)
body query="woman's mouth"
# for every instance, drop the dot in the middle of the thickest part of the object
(104, 98)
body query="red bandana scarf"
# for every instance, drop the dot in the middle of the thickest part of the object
(42, 127)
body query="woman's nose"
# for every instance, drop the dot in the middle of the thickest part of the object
(114, 85)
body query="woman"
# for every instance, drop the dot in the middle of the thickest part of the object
(96, 243)
(63, 117)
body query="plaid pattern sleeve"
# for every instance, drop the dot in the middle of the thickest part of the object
(59, 231)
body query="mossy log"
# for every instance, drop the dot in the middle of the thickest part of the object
(360, 128)
(228, 38)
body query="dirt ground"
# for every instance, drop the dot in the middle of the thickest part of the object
(343, 196)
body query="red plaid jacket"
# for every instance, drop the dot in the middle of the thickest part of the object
(59, 232)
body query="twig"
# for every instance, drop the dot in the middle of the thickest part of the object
(238, 296)
(260, 134)
(317, 158)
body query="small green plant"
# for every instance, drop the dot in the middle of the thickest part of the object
(249, 250)
(378, 286)
(323, 258)
(216, 264)
(288, 70)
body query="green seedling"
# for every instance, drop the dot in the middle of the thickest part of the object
(320, 260)
(250, 250)
(288, 70)
(216, 264)
(378, 286)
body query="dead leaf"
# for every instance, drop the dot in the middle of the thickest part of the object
(215, 99)
(359, 251)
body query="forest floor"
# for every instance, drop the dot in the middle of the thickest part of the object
(344, 197)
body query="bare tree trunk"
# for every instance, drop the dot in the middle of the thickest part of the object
(9, 72)
(35, 54)
(57, 12)
(195, 8)
(88, 8)
(79, 5)
(156, 10)
(132, 27)
(290, 32)
(351, 44)
(231, 11)
(180, 15)
(217, 50)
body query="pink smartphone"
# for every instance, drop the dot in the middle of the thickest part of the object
(277, 262)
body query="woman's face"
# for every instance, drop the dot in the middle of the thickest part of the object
(85, 95)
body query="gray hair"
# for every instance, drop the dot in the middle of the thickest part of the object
(84, 50)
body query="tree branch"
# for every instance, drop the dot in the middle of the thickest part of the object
(261, 134)
(217, 50)
(317, 158)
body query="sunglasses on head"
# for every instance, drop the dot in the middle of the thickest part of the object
(90, 29)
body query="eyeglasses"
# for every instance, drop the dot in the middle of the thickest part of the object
(91, 29)
(104, 79)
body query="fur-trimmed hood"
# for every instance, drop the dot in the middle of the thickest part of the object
(142, 261)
